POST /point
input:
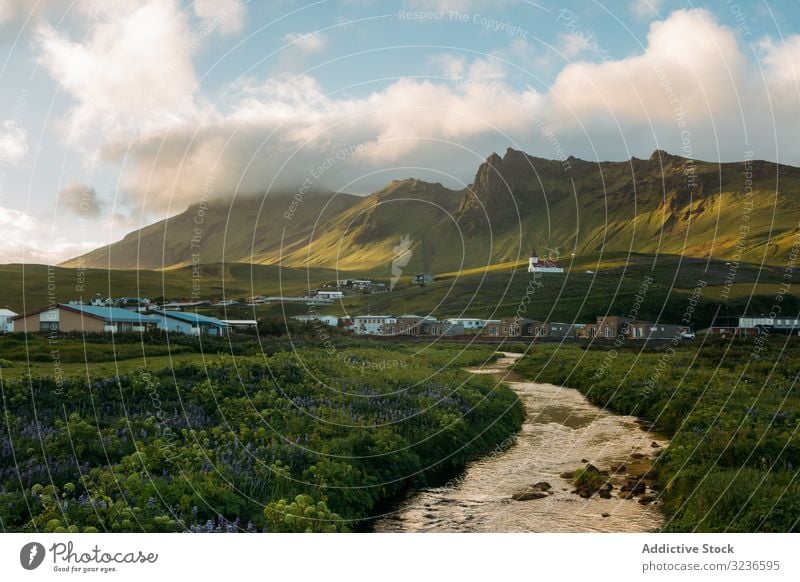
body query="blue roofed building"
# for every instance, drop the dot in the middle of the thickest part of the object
(189, 323)
(76, 317)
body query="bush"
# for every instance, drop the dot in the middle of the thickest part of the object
(320, 439)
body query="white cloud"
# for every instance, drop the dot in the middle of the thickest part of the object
(19, 10)
(272, 132)
(688, 57)
(572, 45)
(646, 8)
(309, 42)
(132, 75)
(782, 60)
(449, 65)
(13, 142)
(225, 15)
(23, 239)
(15, 219)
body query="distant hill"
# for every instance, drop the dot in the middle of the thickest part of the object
(665, 204)
(28, 287)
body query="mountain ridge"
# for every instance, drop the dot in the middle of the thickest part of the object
(666, 203)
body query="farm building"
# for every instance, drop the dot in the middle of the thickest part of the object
(330, 294)
(536, 329)
(189, 323)
(647, 330)
(781, 325)
(608, 327)
(329, 320)
(241, 324)
(468, 322)
(371, 324)
(6, 315)
(404, 325)
(507, 327)
(566, 330)
(84, 318)
(441, 328)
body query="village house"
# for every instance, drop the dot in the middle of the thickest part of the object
(6, 317)
(330, 294)
(132, 302)
(614, 326)
(441, 328)
(84, 318)
(360, 285)
(409, 325)
(537, 329)
(469, 323)
(371, 324)
(645, 330)
(99, 301)
(781, 325)
(181, 305)
(507, 327)
(329, 320)
(607, 327)
(729, 330)
(241, 324)
(567, 330)
(189, 323)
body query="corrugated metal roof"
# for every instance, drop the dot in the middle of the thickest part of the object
(190, 317)
(113, 314)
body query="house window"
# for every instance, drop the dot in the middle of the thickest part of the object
(48, 326)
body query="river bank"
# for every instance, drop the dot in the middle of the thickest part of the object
(562, 433)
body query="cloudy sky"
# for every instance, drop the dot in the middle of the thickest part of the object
(117, 113)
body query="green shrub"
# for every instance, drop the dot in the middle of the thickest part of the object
(731, 414)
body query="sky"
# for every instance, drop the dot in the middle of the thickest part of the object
(117, 113)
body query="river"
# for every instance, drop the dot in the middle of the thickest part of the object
(561, 433)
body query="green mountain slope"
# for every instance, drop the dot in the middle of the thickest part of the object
(28, 287)
(665, 204)
(247, 229)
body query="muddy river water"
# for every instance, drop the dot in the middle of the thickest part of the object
(561, 433)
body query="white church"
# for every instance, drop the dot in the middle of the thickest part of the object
(537, 265)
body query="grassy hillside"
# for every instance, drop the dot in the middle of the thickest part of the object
(248, 229)
(730, 409)
(665, 204)
(26, 287)
(593, 285)
(576, 295)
